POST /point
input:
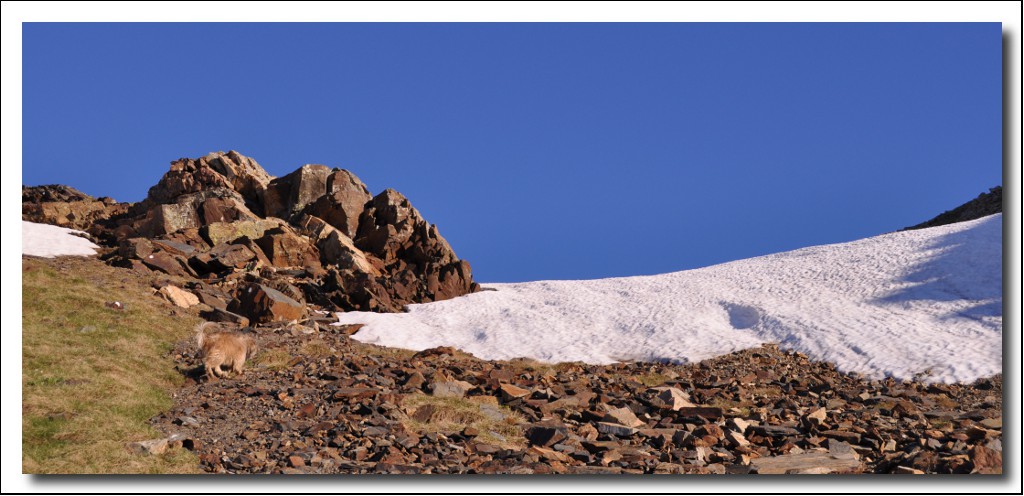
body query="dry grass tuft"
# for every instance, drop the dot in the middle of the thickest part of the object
(93, 376)
(316, 348)
(497, 425)
(273, 358)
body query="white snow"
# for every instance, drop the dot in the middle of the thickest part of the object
(44, 240)
(925, 302)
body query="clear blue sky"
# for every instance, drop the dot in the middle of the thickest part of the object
(546, 151)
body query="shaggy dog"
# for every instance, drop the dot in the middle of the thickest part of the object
(223, 348)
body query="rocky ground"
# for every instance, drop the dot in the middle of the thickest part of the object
(317, 401)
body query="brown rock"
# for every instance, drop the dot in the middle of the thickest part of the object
(288, 195)
(393, 231)
(262, 304)
(135, 248)
(817, 416)
(343, 204)
(169, 264)
(623, 416)
(546, 435)
(708, 412)
(670, 398)
(219, 170)
(986, 461)
(222, 315)
(284, 248)
(224, 257)
(511, 391)
(336, 248)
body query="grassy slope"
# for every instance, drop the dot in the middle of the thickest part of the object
(93, 376)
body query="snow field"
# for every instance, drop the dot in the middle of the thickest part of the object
(925, 304)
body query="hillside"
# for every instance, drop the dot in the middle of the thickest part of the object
(876, 356)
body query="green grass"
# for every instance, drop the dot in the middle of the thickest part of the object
(92, 376)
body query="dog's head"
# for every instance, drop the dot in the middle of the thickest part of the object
(251, 348)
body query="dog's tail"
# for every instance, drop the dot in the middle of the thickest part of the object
(201, 333)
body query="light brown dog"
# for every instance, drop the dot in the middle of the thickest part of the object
(224, 348)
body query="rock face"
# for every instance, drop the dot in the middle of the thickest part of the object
(343, 203)
(286, 196)
(317, 233)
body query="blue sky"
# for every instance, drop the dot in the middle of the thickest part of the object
(546, 151)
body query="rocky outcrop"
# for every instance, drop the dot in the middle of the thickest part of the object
(985, 204)
(67, 207)
(316, 232)
(218, 170)
(423, 264)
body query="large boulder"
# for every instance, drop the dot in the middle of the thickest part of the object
(262, 304)
(285, 248)
(344, 202)
(286, 196)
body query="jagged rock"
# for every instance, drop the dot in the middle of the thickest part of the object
(336, 248)
(214, 171)
(344, 202)
(510, 392)
(167, 263)
(670, 398)
(222, 315)
(615, 429)
(52, 193)
(223, 257)
(546, 435)
(422, 264)
(288, 195)
(262, 304)
(135, 248)
(284, 248)
(985, 204)
(623, 416)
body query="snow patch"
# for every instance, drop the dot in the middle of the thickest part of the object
(44, 240)
(899, 304)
